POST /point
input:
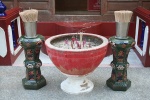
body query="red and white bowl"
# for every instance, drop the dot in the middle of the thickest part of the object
(76, 63)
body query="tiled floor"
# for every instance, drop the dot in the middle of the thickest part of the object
(132, 59)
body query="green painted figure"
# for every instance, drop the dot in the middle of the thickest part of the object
(120, 48)
(33, 80)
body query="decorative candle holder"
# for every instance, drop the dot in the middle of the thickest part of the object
(32, 43)
(2, 9)
(121, 45)
(122, 30)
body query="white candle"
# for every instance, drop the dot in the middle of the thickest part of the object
(81, 35)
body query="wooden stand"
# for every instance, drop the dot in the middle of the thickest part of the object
(142, 35)
(10, 28)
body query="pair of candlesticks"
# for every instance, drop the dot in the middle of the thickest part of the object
(76, 82)
(68, 60)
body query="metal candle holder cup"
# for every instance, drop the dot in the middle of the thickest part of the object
(122, 30)
(30, 29)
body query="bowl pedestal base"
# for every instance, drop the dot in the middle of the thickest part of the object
(77, 84)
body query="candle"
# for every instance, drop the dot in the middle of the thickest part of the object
(78, 45)
(73, 39)
(84, 42)
(89, 43)
(81, 35)
(66, 41)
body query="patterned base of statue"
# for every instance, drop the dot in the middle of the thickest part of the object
(34, 79)
(120, 47)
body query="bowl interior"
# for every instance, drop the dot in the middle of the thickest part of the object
(60, 41)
